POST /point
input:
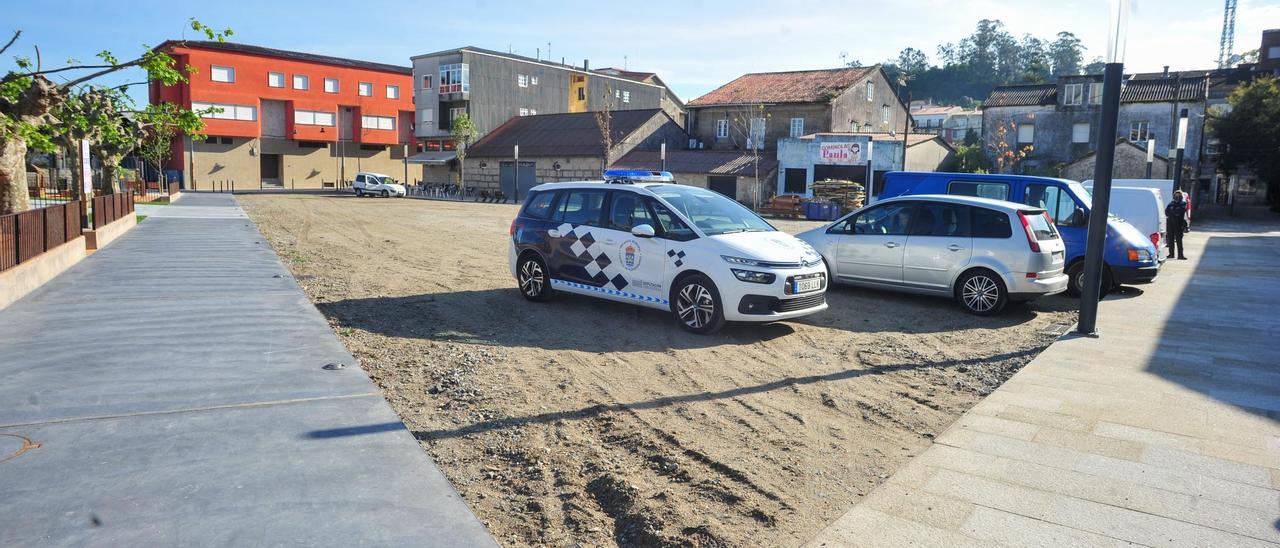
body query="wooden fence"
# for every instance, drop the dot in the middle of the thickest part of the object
(24, 236)
(110, 207)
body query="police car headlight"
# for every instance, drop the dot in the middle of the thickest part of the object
(753, 276)
(740, 260)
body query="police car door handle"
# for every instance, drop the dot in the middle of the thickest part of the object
(610, 242)
(554, 233)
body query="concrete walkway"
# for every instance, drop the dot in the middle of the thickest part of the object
(1163, 432)
(174, 384)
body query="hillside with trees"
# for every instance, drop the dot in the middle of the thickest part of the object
(967, 71)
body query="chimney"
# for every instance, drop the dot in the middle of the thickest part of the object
(1166, 71)
(586, 64)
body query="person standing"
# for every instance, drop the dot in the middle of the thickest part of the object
(1178, 223)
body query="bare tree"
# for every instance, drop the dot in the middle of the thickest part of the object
(748, 126)
(604, 120)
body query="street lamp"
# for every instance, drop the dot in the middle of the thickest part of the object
(1181, 146)
(1151, 155)
(1113, 76)
(871, 174)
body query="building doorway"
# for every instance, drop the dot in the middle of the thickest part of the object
(795, 181)
(724, 184)
(507, 179)
(271, 170)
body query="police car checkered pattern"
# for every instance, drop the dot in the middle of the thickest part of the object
(677, 256)
(607, 291)
(592, 255)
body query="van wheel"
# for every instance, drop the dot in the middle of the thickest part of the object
(697, 305)
(531, 272)
(359, 192)
(386, 194)
(981, 292)
(1075, 281)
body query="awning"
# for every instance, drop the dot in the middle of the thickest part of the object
(433, 158)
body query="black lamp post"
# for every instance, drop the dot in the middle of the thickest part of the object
(1113, 77)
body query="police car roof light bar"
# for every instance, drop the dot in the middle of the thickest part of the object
(626, 176)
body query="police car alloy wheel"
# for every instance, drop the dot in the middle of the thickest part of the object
(981, 293)
(697, 305)
(532, 276)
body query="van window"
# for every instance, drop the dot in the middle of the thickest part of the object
(581, 207)
(1058, 202)
(538, 205)
(940, 219)
(670, 226)
(627, 211)
(989, 223)
(891, 219)
(979, 189)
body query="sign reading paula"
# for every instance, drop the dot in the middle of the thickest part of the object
(840, 153)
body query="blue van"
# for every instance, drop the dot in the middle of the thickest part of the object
(1129, 256)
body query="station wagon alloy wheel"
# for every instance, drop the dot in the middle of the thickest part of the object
(982, 293)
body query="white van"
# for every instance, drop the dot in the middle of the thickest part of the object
(1144, 209)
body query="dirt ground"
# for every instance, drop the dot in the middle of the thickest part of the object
(585, 422)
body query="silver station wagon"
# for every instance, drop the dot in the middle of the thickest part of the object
(983, 253)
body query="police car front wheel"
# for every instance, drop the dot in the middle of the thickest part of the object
(697, 305)
(531, 273)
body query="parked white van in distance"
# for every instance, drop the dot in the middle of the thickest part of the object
(1144, 209)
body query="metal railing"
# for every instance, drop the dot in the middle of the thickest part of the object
(111, 207)
(26, 235)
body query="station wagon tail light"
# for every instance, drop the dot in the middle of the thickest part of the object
(512, 231)
(1026, 229)
(1155, 239)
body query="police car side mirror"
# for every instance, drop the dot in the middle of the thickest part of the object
(642, 231)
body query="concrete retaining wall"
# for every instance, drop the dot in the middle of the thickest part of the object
(99, 238)
(20, 280)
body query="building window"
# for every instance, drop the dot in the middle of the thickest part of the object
(377, 122)
(626, 96)
(366, 89)
(243, 113)
(533, 112)
(522, 80)
(884, 114)
(301, 81)
(1095, 93)
(533, 80)
(755, 137)
(1026, 133)
(393, 92)
(722, 129)
(428, 116)
(1139, 131)
(454, 113)
(330, 85)
(313, 118)
(222, 74)
(455, 78)
(1080, 132)
(617, 93)
(582, 94)
(1073, 94)
(426, 82)
(524, 112)
(1273, 52)
(275, 79)
(797, 127)
(871, 91)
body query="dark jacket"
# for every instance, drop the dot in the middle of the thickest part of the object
(1176, 211)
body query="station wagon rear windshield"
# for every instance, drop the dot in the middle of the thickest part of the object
(712, 212)
(1040, 225)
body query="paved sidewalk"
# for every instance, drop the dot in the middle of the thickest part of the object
(1163, 432)
(174, 384)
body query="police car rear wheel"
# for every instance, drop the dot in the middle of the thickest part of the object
(532, 275)
(697, 305)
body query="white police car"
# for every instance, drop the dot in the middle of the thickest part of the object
(638, 237)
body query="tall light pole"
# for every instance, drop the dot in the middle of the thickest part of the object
(663, 153)
(870, 188)
(1181, 146)
(1105, 158)
(1151, 155)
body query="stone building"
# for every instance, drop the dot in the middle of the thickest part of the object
(562, 147)
(671, 103)
(756, 110)
(1130, 163)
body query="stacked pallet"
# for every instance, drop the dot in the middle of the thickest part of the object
(847, 194)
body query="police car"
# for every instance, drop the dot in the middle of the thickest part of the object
(638, 237)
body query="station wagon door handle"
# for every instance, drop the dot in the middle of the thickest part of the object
(554, 233)
(891, 245)
(954, 247)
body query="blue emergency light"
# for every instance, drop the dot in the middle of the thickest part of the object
(637, 176)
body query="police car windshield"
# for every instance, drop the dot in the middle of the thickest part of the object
(712, 212)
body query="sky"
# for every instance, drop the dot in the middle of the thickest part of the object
(693, 45)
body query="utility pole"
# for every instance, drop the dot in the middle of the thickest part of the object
(1104, 160)
(906, 131)
(1151, 155)
(663, 154)
(1182, 145)
(870, 188)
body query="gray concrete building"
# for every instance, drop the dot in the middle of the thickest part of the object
(755, 110)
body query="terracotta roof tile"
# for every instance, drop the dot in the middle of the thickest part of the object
(806, 86)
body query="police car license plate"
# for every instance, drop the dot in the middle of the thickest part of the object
(807, 284)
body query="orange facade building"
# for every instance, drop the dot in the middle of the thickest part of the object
(276, 118)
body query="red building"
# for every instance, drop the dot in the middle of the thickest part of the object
(279, 118)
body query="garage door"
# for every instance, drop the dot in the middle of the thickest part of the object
(724, 184)
(795, 181)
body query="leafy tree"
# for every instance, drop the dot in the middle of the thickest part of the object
(29, 99)
(971, 159)
(1096, 66)
(159, 125)
(1066, 54)
(1035, 59)
(464, 133)
(912, 61)
(1249, 133)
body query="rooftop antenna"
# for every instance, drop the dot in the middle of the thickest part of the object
(844, 58)
(1228, 41)
(537, 53)
(624, 62)
(548, 51)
